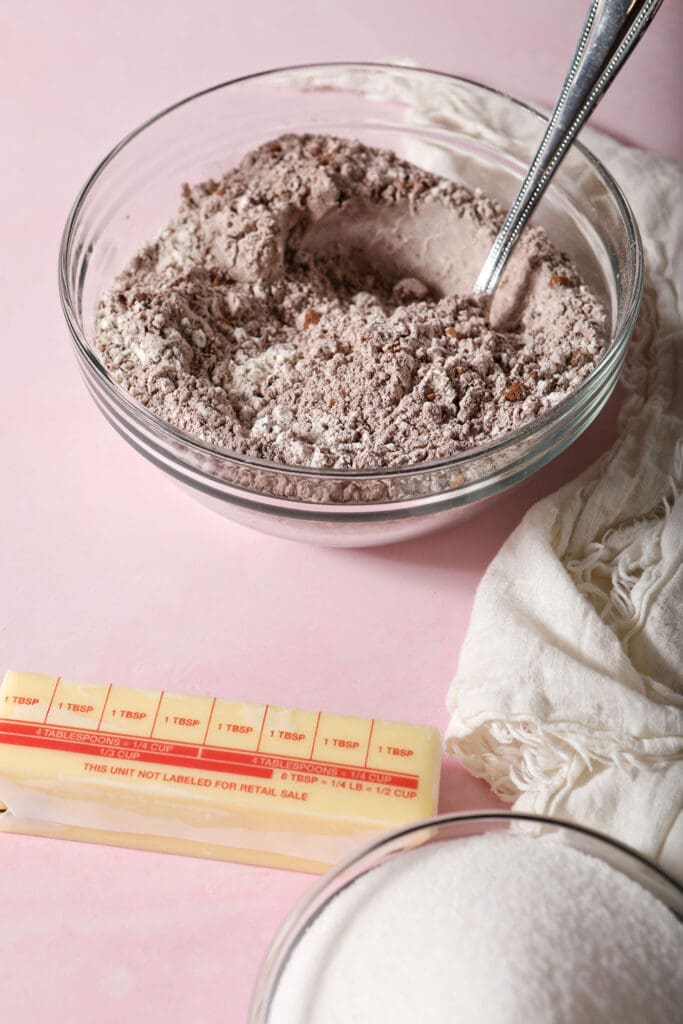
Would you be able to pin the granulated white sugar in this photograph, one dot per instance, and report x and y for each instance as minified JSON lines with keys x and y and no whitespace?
{"x":494,"y":929}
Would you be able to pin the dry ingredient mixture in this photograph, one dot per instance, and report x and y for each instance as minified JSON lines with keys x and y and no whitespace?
{"x":494,"y":929}
{"x":311,"y":308}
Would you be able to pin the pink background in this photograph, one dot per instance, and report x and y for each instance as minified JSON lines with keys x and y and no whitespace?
{"x":109,"y":572}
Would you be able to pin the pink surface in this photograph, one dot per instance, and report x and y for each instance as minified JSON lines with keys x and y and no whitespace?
{"x":110,"y":573}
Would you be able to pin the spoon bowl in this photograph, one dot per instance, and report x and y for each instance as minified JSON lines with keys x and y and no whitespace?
{"x":609,"y":35}
{"x":486,"y":140}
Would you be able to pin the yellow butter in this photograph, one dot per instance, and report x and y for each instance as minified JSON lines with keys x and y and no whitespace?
{"x":205,"y":776}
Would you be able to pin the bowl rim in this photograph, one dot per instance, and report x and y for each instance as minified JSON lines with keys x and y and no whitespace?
{"x":173,"y":434}
{"x":306,"y":908}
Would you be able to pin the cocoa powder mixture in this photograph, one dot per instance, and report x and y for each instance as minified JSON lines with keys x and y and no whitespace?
{"x":311,"y":308}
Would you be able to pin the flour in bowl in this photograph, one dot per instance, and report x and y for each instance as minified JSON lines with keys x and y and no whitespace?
{"x":313,"y":308}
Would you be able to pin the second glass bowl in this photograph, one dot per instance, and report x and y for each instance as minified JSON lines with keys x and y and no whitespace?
{"x":135,"y":190}
{"x":447,"y":828}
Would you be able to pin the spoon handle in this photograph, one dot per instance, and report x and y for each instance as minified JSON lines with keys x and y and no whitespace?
{"x":611,"y":30}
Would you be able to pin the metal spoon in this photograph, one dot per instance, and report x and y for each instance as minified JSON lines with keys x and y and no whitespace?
{"x":611,"y":30}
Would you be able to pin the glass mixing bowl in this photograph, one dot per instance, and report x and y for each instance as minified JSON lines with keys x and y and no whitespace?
{"x":446,"y":828}
{"x":135,"y":191}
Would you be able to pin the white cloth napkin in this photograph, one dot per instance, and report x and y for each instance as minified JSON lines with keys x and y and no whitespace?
{"x":568,"y":698}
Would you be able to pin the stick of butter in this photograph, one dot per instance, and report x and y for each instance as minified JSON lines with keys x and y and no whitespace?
{"x":205,"y":776}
